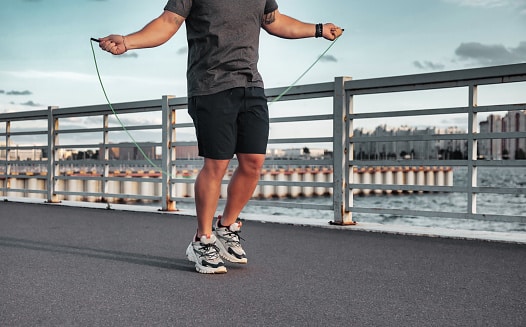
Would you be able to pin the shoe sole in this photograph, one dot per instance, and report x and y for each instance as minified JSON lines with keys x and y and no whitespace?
{"x":200,"y":268}
{"x":223,"y":253}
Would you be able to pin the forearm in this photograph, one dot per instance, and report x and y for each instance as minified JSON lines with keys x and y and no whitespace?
{"x":287,"y":27}
{"x":291,"y":28}
{"x":155,"y":33}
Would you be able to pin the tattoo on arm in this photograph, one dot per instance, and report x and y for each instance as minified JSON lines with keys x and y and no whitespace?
{"x":269,"y":18}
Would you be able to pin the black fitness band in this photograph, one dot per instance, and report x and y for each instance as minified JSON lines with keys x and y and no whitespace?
{"x":319,"y":30}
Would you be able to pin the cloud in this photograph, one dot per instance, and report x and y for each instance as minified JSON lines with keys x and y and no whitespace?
{"x":31,"y":104}
{"x":518,"y":6}
{"x":328,"y":58}
{"x":428,"y":65}
{"x":2,"y":91}
{"x":483,"y":3}
{"x":495,"y":54}
{"x":26,"y":92}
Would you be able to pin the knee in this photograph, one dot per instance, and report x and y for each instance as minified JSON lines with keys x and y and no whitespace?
{"x":252,"y":165}
{"x":214,"y":170}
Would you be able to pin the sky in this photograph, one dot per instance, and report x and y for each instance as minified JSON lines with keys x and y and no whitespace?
{"x":46,"y":59}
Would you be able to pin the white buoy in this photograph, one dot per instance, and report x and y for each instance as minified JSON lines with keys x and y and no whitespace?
{"x":268,"y":190}
{"x":388,"y":178}
{"x":113,"y":187}
{"x":36,"y":184}
{"x":366,"y":179}
{"x":75,"y":185}
{"x":399,"y":178}
{"x":410,"y":178}
{"x":148,"y":188}
{"x":15,"y":183}
{"x":430,"y":176}
{"x":329,"y":175}
{"x":294,"y":176}
{"x":378,"y":179}
{"x":440,"y":177}
{"x":307,"y":177}
{"x":130,"y":188}
{"x":420,"y":177}
{"x":281,"y":191}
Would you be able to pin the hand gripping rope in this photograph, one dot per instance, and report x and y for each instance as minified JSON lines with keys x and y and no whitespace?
{"x":148,"y":159}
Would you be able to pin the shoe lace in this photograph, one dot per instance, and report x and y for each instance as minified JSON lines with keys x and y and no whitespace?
{"x":233,"y":238}
{"x":209,"y":251}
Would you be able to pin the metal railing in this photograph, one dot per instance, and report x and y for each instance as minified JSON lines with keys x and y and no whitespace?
{"x":48,"y":176}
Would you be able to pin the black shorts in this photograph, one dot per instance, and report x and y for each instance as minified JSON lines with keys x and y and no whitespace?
{"x":230,"y":122}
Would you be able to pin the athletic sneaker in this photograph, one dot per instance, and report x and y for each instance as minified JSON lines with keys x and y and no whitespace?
{"x":205,"y":254}
{"x":228,"y":242}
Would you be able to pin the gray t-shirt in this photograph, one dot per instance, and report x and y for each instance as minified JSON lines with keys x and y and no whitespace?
{"x":223,"y":42}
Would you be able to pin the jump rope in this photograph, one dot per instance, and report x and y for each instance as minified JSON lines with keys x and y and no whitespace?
{"x":136,"y":144}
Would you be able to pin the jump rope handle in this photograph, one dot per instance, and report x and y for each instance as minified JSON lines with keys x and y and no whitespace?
{"x":95,"y":40}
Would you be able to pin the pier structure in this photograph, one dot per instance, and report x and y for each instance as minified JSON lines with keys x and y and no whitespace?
{"x":322,"y":115}
{"x":82,"y":184}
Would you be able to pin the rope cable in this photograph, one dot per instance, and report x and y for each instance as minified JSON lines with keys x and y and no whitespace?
{"x":147,"y":158}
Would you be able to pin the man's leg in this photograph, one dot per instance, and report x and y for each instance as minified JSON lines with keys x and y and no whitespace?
{"x":207,"y":191}
{"x":242,"y":185}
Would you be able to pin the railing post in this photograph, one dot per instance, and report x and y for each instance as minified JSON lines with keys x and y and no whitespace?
{"x":168,"y":155}
{"x":53,"y":166}
{"x":472,"y":150}
{"x":341,"y":131}
{"x":7,"y":153}
{"x":105,"y":154}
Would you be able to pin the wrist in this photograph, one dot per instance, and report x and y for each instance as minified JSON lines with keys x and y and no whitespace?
{"x":124,"y":43}
{"x":319,"y":30}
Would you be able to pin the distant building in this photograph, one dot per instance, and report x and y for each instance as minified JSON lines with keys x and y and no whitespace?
{"x":498,"y":149}
{"x":427,"y":149}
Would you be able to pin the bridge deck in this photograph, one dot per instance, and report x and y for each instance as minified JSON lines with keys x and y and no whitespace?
{"x":90,"y":267}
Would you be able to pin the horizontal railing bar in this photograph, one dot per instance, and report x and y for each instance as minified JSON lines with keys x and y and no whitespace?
{"x":407,"y":113}
{"x":433,"y":137}
{"x":184,"y":143}
{"x":500,"y":163}
{"x":109,"y":129}
{"x":404,"y":163}
{"x":283,"y":204}
{"x":500,"y":190}
{"x":302,"y":140}
{"x":22,"y":190}
{"x":105,"y":195}
{"x":301,"y":91}
{"x":435,"y":111}
{"x":436,"y":214}
{"x":19,"y":176}
{"x":455,"y":78}
{"x":113,"y":145}
{"x":413,"y":137}
{"x":297,"y":162}
{"x":24,"y":115}
{"x":116,"y":179}
{"x":501,"y":135}
{"x":301,"y":118}
{"x":412,"y":187}
{"x":111,"y":162}
{"x":502,"y":107}
{"x":103,"y":109}
{"x":23,"y":147}
{"x":183,"y":125}
{"x":27,"y":133}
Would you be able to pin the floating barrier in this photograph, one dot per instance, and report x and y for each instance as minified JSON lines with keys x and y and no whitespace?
{"x":83,"y":187}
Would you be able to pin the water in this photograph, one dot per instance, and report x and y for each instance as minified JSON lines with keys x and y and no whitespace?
{"x":446,"y":202}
